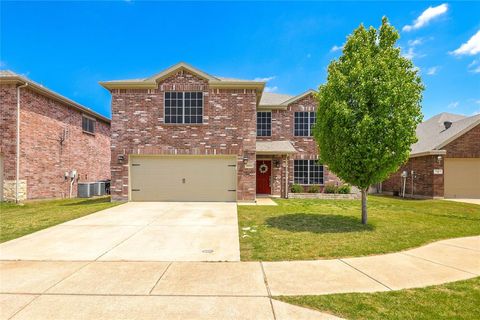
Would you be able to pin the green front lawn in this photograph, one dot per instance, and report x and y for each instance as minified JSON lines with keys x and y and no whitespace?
{"x":312,"y":229}
{"x":456,"y":300}
{"x":19,"y":220}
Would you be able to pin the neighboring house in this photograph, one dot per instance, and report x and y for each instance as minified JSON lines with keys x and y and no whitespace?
{"x":445,"y":162}
{"x":56,"y":137}
{"x":183,"y":134}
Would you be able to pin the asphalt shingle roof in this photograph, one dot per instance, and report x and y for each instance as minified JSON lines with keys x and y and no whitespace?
{"x":432,"y":134}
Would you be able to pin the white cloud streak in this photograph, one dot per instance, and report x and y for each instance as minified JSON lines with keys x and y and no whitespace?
{"x":432,"y":71}
{"x":426,"y":17}
{"x":471,"y":47}
{"x":265,"y":79}
{"x":336,"y":48}
{"x":271,"y":89}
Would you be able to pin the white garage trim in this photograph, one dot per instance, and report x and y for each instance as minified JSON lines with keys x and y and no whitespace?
{"x":182,"y":178}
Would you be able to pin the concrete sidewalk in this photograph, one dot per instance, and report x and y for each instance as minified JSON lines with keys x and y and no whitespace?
{"x":213,"y":290}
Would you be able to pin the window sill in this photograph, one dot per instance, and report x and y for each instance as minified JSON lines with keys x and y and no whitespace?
{"x":183,"y":124}
{"x":89,"y":133}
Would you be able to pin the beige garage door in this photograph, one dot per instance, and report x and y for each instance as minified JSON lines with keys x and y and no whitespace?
{"x":185,"y":178}
{"x":462,"y":178}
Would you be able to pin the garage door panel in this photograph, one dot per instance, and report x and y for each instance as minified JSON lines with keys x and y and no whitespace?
{"x":183,"y":179}
{"x":462,"y":178}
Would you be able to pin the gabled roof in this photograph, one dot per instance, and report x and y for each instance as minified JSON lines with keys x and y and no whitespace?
{"x":277,"y":100}
{"x":213,"y":81}
{"x":10,"y":77}
{"x":433,"y":136}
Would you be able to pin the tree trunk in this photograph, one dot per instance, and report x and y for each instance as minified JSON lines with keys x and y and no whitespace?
{"x":364,"y":206}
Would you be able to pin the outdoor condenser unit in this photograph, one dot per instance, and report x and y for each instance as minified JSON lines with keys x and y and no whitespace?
{"x":84,"y":190}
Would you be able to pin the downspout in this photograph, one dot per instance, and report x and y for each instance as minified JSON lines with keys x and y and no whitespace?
{"x":286,"y":176}
{"x":17,"y":169}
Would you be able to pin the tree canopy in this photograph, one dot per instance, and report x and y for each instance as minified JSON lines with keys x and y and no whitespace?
{"x":369,"y":108}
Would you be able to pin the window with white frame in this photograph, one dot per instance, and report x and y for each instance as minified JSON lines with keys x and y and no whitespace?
{"x":88,"y":124}
{"x":304,"y":122}
{"x":183,"y":107}
{"x":264,"y":124}
{"x":307,"y":172}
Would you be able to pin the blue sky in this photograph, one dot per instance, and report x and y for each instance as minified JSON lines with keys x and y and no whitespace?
{"x":70,"y":46}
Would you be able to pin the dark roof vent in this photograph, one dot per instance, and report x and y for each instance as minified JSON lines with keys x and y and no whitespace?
{"x":447,"y":124}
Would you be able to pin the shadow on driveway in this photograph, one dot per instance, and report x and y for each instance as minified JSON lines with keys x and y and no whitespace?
{"x":318,"y":223}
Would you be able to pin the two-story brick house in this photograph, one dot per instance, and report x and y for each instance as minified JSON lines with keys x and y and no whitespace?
{"x":185,"y":135}
{"x":49,"y":143}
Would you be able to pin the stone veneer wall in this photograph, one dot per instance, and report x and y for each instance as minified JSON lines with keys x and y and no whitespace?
{"x":229,"y":128}
{"x":51,"y":142}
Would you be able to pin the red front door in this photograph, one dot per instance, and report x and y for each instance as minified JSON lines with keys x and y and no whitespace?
{"x":264,"y":172}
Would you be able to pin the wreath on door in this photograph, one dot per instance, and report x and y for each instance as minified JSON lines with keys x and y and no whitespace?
{"x":263,"y":168}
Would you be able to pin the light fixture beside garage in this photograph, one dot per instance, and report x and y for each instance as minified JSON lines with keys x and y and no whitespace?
{"x":120,"y":158}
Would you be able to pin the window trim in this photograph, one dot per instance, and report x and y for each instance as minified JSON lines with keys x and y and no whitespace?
{"x":263,"y":111}
{"x":309,"y":129}
{"x":183,"y":109}
{"x":94,"y":121}
{"x":308,"y":173}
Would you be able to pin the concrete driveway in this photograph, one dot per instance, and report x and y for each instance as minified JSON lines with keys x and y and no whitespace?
{"x":137,"y":231}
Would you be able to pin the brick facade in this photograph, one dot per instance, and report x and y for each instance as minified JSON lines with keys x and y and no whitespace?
{"x":307,"y":149}
{"x":228,"y":128}
{"x":52,"y":142}
{"x":425,"y":182}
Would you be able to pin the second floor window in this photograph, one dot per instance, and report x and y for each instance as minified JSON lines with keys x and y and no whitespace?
{"x":183,"y":107}
{"x":88,"y":124}
{"x":264,"y":124}
{"x":304,"y":122}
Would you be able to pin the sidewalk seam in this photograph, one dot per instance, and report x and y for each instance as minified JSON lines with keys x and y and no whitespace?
{"x":439,"y":263}
{"x":456,"y":246}
{"x":161,"y":276}
{"x":265,"y":280}
{"x":366,"y":274}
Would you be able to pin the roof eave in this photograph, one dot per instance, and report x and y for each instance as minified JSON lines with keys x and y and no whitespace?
{"x":128,"y":85}
{"x":428,"y":153}
{"x":298,"y":97}
{"x":53,"y":95}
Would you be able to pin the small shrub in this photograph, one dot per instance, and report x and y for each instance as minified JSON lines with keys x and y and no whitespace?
{"x":314,"y":189}
{"x":345,"y":189}
{"x":330,"y":188}
{"x":296,"y":188}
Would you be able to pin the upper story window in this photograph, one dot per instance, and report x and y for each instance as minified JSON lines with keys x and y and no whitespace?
{"x":183,"y":107}
{"x":304,"y":122}
{"x":307,"y":172}
{"x":264,"y":124}
{"x":88,"y":124}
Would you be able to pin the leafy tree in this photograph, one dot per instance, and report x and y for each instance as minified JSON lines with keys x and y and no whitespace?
{"x":368,"y":109}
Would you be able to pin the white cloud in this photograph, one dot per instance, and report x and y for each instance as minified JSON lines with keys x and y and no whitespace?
{"x":432,"y":71}
{"x":471,"y":47}
{"x":474,"y":66}
{"x":336,"y":48}
{"x":410,"y":54}
{"x":426,"y":17}
{"x":265,"y":79}
{"x":453,"y":105}
{"x":271,"y":89}
{"x":415,"y":42}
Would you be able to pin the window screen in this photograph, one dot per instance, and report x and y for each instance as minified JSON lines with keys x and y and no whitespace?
{"x":264,"y":124}
{"x":183,"y":107}
{"x":307,"y":172}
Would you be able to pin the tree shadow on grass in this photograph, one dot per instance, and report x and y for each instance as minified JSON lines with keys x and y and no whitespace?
{"x":318,"y":223}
